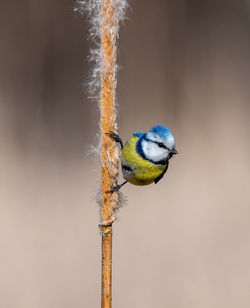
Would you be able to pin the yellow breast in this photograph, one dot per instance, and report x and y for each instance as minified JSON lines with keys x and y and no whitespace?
{"x":142,"y":172}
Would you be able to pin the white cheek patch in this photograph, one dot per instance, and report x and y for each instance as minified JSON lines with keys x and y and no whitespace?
{"x":152,"y":151}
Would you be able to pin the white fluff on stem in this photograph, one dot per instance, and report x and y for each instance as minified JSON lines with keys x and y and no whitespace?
{"x":92,"y":8}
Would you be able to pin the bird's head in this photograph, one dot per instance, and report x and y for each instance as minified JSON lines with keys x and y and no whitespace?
{"x":158,"y":144}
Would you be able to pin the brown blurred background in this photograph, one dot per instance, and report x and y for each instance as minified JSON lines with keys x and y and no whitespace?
{"x":183,"y":243}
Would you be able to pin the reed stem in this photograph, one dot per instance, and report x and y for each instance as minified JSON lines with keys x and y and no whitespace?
{"x":109,"y":151}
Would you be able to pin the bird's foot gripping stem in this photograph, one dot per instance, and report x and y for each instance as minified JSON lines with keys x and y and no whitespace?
{"x":116,"y":188}
{"x":116,"y":138}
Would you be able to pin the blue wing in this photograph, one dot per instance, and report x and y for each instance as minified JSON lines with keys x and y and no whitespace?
{"x":139,"y":135}
{"x":161,"y":175}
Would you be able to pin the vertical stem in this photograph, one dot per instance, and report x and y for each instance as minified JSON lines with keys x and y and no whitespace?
{"x":106,"y":266}
{"x":108,"y":176}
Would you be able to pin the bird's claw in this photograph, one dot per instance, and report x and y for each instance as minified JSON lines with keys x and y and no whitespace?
{"x":116,"y":187}
{"x":113,"y":189}
{"x":115,"y":137}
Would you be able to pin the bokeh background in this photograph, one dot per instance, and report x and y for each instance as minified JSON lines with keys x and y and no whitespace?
{"x":183,"y":243}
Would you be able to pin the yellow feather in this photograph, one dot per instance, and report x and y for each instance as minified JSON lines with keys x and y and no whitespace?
{"x":144,"y":172}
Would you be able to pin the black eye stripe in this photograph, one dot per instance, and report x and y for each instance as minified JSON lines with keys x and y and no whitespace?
{"x":161,"y":145}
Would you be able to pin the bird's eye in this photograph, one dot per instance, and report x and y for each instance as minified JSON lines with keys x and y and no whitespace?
{"x":161,"y":145}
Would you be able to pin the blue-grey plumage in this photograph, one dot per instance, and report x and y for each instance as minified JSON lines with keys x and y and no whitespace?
{"x":145,"y":156}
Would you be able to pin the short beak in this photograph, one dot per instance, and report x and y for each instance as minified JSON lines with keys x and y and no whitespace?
{"x":174,"y":151}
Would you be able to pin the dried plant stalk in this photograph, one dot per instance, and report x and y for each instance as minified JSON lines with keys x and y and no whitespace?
{"x":106,"y":266}
{"x":105,"y":16}
{"x":109,"y":165}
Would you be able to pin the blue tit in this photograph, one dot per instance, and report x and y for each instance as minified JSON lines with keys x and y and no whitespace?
{"x":145,"y":156}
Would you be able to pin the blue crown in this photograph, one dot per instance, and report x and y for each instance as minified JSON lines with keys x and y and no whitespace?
{"x":161,"y":131}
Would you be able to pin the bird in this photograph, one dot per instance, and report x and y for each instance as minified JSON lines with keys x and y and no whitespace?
{"x":145,"y":156}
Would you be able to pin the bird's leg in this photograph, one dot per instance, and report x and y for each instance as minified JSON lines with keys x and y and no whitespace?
{"x":116,"y":138}
{"x":117,"y":187}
